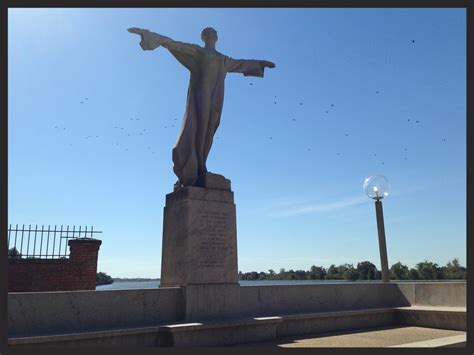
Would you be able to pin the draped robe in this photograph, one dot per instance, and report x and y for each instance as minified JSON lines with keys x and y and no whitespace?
{"x":208,"y":69}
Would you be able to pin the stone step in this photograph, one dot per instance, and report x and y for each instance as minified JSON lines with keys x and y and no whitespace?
{"x":454,"y":318}
{"x":322,"y":322}
{"x":219,"y":333}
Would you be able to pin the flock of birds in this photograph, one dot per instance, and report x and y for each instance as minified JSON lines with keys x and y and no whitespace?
{"x":142,"y":131}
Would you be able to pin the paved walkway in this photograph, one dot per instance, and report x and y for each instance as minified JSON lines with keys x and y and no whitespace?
{"x":369,"y":338}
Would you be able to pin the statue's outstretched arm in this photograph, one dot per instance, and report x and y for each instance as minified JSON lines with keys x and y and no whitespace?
{"x":248,"y":67}
{"x":151,"y":40}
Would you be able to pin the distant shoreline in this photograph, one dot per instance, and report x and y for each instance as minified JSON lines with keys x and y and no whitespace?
{"x":136,"y":279}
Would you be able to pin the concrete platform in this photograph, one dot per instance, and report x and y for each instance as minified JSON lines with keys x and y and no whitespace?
{"x":394,"y":336}
{"x":246,"y":330}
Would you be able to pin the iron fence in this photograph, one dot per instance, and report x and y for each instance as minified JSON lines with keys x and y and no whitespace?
{"x":50,"y":243}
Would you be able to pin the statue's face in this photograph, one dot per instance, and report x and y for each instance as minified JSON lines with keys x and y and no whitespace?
{"x":210,"y":37}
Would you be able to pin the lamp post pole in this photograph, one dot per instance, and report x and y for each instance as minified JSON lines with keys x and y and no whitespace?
{"x":382,"y":244}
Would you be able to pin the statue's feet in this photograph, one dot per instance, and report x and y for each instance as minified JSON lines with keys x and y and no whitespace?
{"x":209,"y":180}
{"x":177,"y":186}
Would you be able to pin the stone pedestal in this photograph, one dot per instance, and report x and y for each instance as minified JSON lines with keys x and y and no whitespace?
{"x":200,"y":251}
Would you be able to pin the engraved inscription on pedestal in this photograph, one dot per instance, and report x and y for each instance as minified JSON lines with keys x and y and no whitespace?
{"x":213,"y":246}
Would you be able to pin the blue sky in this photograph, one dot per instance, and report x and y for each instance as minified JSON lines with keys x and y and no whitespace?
{"x":362,"y":83}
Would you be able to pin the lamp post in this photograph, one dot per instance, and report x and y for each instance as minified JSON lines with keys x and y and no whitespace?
{"x":377,"y":187}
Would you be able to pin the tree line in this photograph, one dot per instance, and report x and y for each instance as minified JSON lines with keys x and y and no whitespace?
{"x":365,"y":270}
{"x":103,"y":279}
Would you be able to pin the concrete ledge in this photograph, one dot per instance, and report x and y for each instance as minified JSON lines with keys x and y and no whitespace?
{"x":37,"y":313}
{"x":453,"y":318}
{"x":143,"y":336}
{"x":219,"y":333}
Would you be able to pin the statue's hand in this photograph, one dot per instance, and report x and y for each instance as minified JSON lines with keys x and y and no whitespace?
{"x":143,"y":43}
{"x":268,"y":64}
{"x":135,"y":30}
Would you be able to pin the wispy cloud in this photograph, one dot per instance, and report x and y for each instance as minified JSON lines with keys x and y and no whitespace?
{"x":322,"y":207}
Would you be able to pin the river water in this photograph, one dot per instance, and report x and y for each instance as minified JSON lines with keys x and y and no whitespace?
{"x":127,"y":285}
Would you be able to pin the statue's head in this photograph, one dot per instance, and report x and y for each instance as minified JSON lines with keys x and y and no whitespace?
{"x":209,"y":35}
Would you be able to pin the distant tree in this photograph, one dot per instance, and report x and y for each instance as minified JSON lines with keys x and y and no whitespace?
{"x":290,"y":275}
{"x":454,"y":271}
{"x":253,"y":276}
{"x":103,"y":279}
{"x":341,"y":270}
{"x":300,"y":274}
{"x":333,"y":273}
{"x":413,"y":274}
{"x":262,"y":276}
{"x":428,"y":270}
{"x":13,"y":253}
{"x":350,"y":274}
{"x":317,"y":273}
{"x":271,"y":274}
{"x":398,"y":271}
{"x":366,"y":270}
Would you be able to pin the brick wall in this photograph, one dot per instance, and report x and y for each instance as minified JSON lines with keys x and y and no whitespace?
{"x":76,"y":273}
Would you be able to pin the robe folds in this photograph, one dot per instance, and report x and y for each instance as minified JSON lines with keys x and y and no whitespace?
{"x":205,"y":98}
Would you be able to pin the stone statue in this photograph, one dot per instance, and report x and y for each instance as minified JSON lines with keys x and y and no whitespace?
{"x":205,"y":98}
